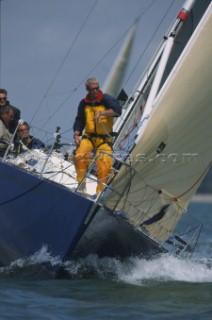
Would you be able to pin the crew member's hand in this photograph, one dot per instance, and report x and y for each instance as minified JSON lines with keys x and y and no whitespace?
{"x":97,"y":115}
{"x":76,"y":139}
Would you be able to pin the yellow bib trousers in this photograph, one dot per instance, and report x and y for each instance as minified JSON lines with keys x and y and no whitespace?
{"x":85,"y":151}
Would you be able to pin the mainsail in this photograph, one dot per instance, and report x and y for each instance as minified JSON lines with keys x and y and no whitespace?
{"x":115,"y":78}
{"x":173,"y":154}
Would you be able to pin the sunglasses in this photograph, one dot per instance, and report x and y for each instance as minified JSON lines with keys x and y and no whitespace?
{"x":93,"y":89}
{"x":22,"y":130}
{"x":3,"y":98}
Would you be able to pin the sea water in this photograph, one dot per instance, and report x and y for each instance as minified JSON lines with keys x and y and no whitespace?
{"x":166,"y":287}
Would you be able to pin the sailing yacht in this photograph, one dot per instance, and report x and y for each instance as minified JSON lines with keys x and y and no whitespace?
{"x":162,"y":152}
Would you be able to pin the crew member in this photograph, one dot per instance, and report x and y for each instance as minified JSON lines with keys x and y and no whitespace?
{"x":95,"y":117}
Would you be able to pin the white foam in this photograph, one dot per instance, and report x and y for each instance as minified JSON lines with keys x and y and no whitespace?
{"x":167,"y":268}
{"x":135,"y":271}
{"x":39,"y":257}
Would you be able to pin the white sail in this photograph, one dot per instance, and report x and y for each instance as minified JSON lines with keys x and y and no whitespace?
{"x":175,"y":151}
{"x":114,"y":80}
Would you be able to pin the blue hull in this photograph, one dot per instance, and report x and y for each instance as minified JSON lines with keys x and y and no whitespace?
{"x":36,"y":212}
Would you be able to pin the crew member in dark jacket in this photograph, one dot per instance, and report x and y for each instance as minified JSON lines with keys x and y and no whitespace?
{"x":6,"y":116}
{"x":17,"y":113}
{"x":24,"y":141}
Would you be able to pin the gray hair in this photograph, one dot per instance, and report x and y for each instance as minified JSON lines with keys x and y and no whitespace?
{"x":91,"y":81}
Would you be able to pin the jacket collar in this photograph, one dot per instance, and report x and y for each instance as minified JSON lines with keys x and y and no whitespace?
{"x":98,"y":99}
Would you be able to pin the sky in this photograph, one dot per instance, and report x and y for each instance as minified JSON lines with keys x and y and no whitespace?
{"x":48,"y":48}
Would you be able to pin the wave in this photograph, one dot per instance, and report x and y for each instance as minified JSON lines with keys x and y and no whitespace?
{"x":40,"y":265}
{"x":168,"y":268}
{"x":135,"y":270}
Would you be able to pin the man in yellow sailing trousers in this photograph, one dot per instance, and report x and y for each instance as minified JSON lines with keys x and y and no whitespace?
{"x":94,"y":122}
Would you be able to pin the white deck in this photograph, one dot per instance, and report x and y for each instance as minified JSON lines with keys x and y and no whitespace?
{"x":54,"y":168}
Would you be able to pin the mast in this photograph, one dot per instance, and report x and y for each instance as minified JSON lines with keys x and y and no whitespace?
{"x":181,"y":18}
{"x":152,"y":71}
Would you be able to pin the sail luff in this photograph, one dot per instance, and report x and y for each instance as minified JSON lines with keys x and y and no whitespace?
{"x":155,"y":86}
{"x":137,"y":96}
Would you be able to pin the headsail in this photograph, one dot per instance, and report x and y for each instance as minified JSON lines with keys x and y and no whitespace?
{"x":175,"y":151}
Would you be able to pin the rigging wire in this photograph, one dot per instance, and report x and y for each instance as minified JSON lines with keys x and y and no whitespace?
{"x":96,"y":65}
{"x":64,"y":59}
{"x":23,"y":194}
{"x":148,"y":44}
